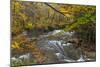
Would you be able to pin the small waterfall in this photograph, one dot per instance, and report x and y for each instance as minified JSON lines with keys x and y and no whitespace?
{"x":81,"y":58}
{"x":58,"y":45}
{"x":56,"y":31}
{"x":68,"y":44}
{"x":62,"y":55}
{"x":26,"y":56}
{"x":62,"y":32}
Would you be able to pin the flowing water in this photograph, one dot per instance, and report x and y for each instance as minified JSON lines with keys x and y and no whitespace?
{"x":58,"y":49}
{"x":56,"y":43}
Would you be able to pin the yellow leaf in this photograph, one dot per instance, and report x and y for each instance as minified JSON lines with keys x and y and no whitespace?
{"x":29,"y":25}
{"x":63,"y":10}
{"x":68,"y":15}
{"x":15,"y":45}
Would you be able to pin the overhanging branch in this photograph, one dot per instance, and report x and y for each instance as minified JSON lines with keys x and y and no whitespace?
{"x":54,"y":9}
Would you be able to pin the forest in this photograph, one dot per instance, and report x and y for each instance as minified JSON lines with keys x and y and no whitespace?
{"x":46,"y":33}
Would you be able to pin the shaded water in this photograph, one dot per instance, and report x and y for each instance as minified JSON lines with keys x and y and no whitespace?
{"x":58,"y":49}
{"x":56,"y":43}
